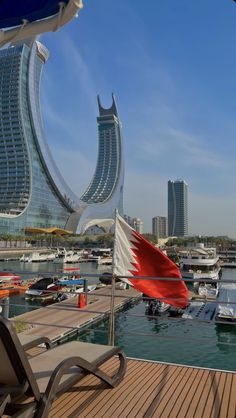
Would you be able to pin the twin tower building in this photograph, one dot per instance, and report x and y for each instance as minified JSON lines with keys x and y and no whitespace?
{"x":33,"y":194}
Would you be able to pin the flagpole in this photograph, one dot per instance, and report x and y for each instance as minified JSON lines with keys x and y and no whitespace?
{"x":111,"y":335}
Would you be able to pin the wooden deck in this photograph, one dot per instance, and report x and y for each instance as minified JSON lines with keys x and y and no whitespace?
{"x":152,"y":389}
{"x":149,"y":389}
{"x":58,"y":320}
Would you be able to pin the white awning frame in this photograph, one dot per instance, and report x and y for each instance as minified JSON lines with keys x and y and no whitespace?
{"x":51,"y":24}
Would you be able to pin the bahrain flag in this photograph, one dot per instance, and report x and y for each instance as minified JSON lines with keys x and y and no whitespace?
{"x":135,"y":256}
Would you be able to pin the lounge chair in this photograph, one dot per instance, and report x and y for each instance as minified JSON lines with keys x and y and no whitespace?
{"x":31,"y":341}
{"x":42,"y":378}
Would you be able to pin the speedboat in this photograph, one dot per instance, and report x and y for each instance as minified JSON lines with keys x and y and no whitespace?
{"x":9,"y":277}
{"x":43,"y":289}
{"x":156,"y":307}
{"x":208,"y":290}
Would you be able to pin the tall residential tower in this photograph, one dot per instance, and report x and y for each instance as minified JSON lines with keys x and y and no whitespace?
{"x":159,"y":226}
{"x":32,"y":191}
{"x":33,"y":194}
{"x":177,"y":208}
{"x":105,"y":193}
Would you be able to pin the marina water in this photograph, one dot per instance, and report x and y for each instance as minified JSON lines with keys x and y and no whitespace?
{"x":159,"y":338}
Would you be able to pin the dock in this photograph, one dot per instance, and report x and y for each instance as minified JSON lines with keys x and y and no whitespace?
{"x":60,"y":320}
{"x":149,"y":388}
{"x":201,"y":310}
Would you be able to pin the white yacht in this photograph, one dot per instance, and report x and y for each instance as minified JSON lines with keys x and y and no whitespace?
{"x":105,"y":261}
{"x":36,"y":257}
{"x":228,"y":258}
{"x":226,"y":311}
{"x":71,"y":257}
{"x":199,"y":263}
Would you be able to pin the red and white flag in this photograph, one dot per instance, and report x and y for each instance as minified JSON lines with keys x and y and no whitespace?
{"x":134,"y":255}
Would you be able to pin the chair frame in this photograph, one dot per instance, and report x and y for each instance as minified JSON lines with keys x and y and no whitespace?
{"x":28,"y":384}
{"x":35,"y":341}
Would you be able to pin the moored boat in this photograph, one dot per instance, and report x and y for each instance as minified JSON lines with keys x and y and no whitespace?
{"x":208,"y":291}
{"x":45,"y":288}
{"x":8,"y":290}
{"x":200,"y":263}
{"x":156,"y":307}
{"x":226,"y":307}
{"x":9,"y":277}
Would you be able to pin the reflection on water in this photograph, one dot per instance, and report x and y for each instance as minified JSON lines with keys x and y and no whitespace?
{"x":165,"y":339}
{"x":170,"y":340}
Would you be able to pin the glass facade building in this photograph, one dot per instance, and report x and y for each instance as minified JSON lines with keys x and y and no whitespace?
{"x":108,"y":167}
{"x":177,"y":208}
{"x":32,"y":191}
{"x":105,"y":192}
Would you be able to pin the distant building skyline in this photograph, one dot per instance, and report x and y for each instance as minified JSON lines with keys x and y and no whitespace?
{"x":136,"y":223}
{"x":177,"y":208}
{"x":159,"y":226}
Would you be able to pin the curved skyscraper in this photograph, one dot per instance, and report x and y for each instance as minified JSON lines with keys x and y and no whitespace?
{"x":105,"y":192}
{"x":32,"y":191}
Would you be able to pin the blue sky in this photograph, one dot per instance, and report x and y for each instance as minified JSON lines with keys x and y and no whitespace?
{"x":171,"y":65}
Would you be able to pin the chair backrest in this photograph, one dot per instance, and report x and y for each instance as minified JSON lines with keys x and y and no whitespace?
{"x":15,"y":369}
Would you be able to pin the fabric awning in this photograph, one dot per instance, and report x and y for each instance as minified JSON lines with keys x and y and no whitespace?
{"x":12,"y":12}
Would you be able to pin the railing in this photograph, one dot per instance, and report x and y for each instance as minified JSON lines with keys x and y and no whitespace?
{"x":113,"y":313}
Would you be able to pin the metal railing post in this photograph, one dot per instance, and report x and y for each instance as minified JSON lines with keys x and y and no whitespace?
{"x":5,"y":308}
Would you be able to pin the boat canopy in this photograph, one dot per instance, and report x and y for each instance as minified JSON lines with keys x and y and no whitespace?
{"x":21,"y":19}
{"x":13,"y":12}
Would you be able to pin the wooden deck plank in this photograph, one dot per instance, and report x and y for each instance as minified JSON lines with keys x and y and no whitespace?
{"x":205,"y":394}
{"x":82,"y":394}
{"x":159,"y":389}
{"x":133,"y":398}
{"x":232,"y":400}
{"x":223,"y":408}
{"x":215,"y":394}
{"x":178,"y":391}
{"x":198,"y":393}
{"x":52,"y":321}
{"x":152,"y":389}
{"x":94,"y":387}
{"x":196,"y":376}
{"x":123,"y":392}
{"x":151,"y":385}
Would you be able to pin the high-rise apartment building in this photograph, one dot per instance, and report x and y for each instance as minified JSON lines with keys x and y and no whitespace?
{"x":177,"y":208}
{"x":105,"y":192}
{"x":32,"y":191}
{"x":109,"y":169}
{"x":33,"y":194}
{"x":159,"y":224}
{"x":136,"y":223}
